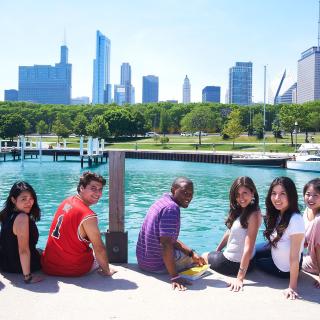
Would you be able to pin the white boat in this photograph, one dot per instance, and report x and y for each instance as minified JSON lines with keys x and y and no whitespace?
{"x":308,"y":159}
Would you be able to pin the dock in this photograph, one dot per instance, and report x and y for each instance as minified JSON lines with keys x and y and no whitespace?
{"x":132,"y":294}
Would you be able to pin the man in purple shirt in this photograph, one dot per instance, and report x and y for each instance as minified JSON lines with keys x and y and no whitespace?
{"x":158,"y":248}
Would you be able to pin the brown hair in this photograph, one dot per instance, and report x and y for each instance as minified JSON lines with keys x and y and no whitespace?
{"x":87,"y":177}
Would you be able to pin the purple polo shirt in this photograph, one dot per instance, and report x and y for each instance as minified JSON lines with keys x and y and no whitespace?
{"x":162,"y":219}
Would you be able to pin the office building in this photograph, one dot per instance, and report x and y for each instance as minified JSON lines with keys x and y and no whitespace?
{"x":80,"y":100}
{"x":289,"y":96}
{"x":125,"y":80}
{"x":119,"y":94}
{"x":240,"y":83}
{"x":11,"y":95}
{"x":46,"y":84}
{"x":101,"y":91}
{"x":186,"y":90}
{"x":150,"y":89}
{"x":211,"y":94}
{"x":308,"y":80}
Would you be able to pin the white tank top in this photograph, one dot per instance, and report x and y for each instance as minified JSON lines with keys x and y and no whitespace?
{"x":235,"y":245}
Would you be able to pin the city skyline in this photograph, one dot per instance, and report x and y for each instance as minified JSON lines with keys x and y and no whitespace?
{"x":202,"y":39}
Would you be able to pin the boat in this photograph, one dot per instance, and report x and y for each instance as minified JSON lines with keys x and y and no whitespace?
{"x":308,"y":159}
{"x":260,"y":160}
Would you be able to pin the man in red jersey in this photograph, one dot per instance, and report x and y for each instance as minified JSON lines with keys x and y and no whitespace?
{"x":74,"y":227}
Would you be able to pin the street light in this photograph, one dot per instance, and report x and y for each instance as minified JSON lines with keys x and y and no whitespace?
{"x":296,"y":131}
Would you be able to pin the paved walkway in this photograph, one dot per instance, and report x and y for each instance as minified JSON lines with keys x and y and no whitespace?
{"x":131,"y":294}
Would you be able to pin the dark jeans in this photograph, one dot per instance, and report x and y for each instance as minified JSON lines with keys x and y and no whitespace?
{"x":263,"y":261}
{"x":218,"y":262}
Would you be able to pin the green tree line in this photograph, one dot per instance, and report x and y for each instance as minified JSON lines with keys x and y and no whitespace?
{"x":105,"y":121}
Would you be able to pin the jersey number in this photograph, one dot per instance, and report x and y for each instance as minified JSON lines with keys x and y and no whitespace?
{"x":56,"y":233}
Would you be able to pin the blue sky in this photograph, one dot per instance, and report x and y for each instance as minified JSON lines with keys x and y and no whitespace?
{"x":200,"y":38}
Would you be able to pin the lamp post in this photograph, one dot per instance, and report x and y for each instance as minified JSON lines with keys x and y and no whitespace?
{"x":296,"y":131}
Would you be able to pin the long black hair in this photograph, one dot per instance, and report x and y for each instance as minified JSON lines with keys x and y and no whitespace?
{"x":272,"y":214}
{"x":15,"y":191}
{"x":235,"y":209}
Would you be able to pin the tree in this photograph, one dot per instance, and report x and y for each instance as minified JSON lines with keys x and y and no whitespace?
{"x":60,"y":130}
{"x":233,"y":127}
{"x":119,"y":121}
{"x":79,"y":125}
{"x":98,"y":128}
{"x":199,"y":119}
{"x":257,"y":125}
{"x":41,"y":127}
{"x":164,"y":121}
{"x":12,"y":125}
{"x":314,"y":121}
{"x":276,"y":129}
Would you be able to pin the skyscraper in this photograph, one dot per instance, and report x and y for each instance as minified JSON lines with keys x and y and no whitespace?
{"x":45,"y":83}
{"x":186,"y":91}
{"x":290,"y":95}
{"x":211,"y":94}
{"x":101,"y":91}
{"x":240,"y":83}
{"x":11,"y":95}
{"x":308,"y":80}
{"x":150,"y":89}
{"x":125,"y":80}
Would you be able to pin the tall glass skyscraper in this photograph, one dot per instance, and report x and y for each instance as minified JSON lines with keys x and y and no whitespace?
{"x":240,"y":83}
{"x":101,"y":91}
{"x":125,"y":80}
{"x":186,"y":90}
{"x":308,"y":80}
{"x":150,"y":89}
{"x":211,"y":94}
{"x":46,"y":84}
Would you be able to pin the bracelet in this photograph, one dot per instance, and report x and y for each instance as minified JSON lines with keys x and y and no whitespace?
{"x":243,"y":270}
{"x":27,"y":278}
{"x":175,"y":278}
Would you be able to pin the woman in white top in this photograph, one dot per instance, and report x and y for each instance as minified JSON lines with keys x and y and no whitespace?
{"x":311,"y":217}
{"x":243,"y":223}
{"x":281,"y":256}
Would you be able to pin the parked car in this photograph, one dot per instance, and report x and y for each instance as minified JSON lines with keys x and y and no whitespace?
{"x":186,"y":134}
{"x":202,"y":133}
{"x":151,"y":134}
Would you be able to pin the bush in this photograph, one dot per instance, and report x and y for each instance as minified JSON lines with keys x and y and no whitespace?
{"x":164,"y":140}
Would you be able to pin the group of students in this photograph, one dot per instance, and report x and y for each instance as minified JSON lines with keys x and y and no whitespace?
{"x":74,"y":230}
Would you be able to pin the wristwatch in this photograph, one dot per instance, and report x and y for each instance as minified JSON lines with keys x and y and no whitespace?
{"x":191,"y":253}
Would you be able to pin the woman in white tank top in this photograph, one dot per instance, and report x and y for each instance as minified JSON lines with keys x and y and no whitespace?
{"x":238,"y":242}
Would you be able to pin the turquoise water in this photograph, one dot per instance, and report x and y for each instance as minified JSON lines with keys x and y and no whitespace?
{"x":202,"y":223}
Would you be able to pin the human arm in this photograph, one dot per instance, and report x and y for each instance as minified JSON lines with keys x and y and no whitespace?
{"x":254,"y":223}
{"x":91,"y":230}
{"x":317,"y":251}
{"x":189,"y":252}
{"x":21,"y":230}
{"x":295,"y":244}
{"x":168,"y":246}
{"x":223,"y":241}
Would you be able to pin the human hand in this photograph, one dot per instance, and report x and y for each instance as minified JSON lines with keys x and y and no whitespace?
{"x":290,"y":294}
{"x":200,"y":261}
{"x":180,"y":283}
{"x":107,"y":273}
{"x":235,"y":285}
{"x":35,"y":279}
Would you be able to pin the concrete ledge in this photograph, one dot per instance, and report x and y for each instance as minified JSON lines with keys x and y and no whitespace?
{"x":132,"y":294}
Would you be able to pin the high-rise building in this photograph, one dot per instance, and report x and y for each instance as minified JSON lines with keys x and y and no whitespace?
{"x":289,"y":96}
{"x":120,"y":94}
{"x":308,"y":80}
{"x":101,"y":91}
{"x":211,"y":94}
{"x":80,"y":100}
{"x":186,"y":90}
{"x":11,"y":95}
{"x":240,"y":83}
{"x":125,"y":80}
{"x":150,"y":89}
{"x":46,"y":84}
